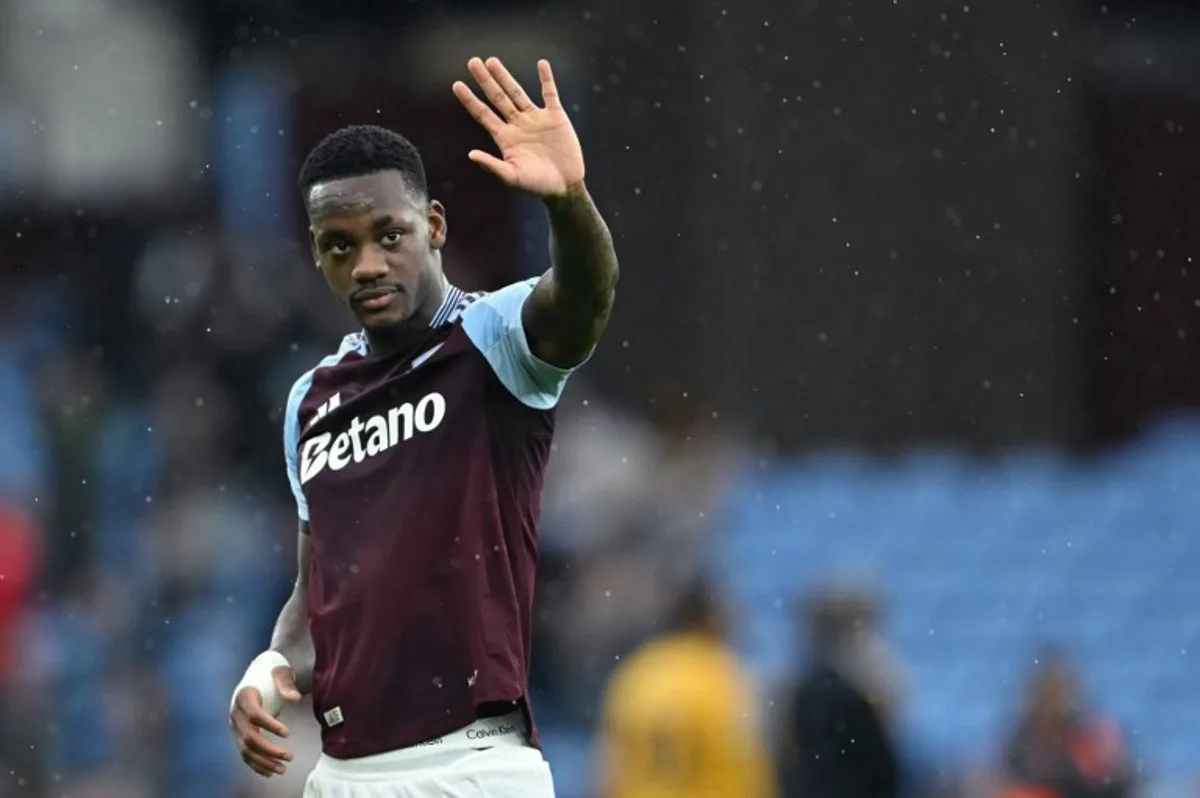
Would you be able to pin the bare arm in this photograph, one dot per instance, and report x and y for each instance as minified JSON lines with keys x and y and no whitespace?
{"x":292,"y":637}
{"x":540,"y":154}
{"x":569,"y":308}
{"x":248,"y":717}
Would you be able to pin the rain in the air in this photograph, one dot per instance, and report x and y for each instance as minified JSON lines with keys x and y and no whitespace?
{"x":621,"y":399}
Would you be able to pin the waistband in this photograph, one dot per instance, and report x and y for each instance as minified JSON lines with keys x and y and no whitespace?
{"x":503,"y":730}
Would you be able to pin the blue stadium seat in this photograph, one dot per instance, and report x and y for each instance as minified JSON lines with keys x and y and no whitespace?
{"x":982,"y":564}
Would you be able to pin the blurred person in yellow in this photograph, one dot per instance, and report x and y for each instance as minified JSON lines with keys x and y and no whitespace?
{"x":680,"y":717}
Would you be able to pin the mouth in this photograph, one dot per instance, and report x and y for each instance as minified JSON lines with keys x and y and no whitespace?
{"x":373,"y":298}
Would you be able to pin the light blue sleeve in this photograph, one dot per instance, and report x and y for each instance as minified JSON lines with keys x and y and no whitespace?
{"x":493,"y":323}
{"x":291,"y":441}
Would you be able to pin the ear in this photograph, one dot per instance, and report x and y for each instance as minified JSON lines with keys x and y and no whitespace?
{"x":436,"y":213}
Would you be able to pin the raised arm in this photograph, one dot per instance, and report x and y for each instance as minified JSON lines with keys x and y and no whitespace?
{"x":540,"y":154}
{"x":569,"y":308}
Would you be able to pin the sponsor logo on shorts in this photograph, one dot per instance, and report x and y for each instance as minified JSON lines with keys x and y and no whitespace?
{"x":479,"y":732}
{"x":502,"y":730}
{"x":430,"y":743}
{"x":334,"y":717}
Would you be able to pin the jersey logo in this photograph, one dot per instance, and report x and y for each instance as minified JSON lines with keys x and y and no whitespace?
{"x":332,"y":403}
{"x":370,"y":437}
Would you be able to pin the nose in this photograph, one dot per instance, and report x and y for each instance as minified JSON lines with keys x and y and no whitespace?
{"x":370,"y":266}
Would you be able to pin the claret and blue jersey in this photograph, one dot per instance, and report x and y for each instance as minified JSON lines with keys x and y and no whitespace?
{"x":420,"y":474}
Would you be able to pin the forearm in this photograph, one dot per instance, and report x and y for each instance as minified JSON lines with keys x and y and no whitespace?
{"x":582,"y":259}
{"x":293,"y":639}
{"x":570,"y":306}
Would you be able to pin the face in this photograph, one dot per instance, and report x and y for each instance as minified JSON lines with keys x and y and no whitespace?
{"x":378,"y":242}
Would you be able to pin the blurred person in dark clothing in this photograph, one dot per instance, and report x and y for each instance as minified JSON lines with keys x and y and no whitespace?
{"x":680,"y":716}
{"x":1059,"y":748}
{"x":837,"y":740}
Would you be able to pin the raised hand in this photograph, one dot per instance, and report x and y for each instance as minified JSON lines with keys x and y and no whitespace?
{"x":539,"y":151}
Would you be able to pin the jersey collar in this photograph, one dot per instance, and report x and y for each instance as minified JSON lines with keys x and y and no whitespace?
{"x":453,"y":297}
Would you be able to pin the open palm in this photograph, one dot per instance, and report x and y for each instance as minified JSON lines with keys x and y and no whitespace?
{"x":539,"y":151}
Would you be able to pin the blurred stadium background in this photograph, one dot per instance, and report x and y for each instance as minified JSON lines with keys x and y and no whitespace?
{"x":908,"y":301}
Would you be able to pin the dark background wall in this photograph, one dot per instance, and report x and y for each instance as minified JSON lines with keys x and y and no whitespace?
{"x":840,"y":222}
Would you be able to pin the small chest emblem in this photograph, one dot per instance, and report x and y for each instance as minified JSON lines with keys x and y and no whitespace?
{"x":424,"y":356}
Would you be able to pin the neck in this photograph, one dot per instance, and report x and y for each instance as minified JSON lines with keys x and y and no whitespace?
{"x":408,"y":332}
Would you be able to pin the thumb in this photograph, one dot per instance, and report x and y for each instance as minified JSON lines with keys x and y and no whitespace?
{"x":501,"y":169}
{"x":285,"y":681}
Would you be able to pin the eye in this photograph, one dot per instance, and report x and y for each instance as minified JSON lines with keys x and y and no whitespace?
{"x":338,"y":248}
{"x":392,"y":237}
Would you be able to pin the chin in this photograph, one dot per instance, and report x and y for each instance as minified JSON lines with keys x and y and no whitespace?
{"x":381,"y":323}
{"x":395,"y":315}
{"x":384,"y":322}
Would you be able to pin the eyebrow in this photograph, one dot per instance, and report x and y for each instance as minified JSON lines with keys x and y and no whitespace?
{"x":382,"y":222}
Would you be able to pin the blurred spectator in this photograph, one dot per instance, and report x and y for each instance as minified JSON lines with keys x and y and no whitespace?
{"x":839,"y":722}
{"x":19,"y":553}
{"x":679,"y":715}
{"x":630,"y":510}
{"x":24,"y":457}
{"x":1059,"y":748}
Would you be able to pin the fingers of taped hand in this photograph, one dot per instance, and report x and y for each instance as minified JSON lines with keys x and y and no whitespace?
{"x":250,"y":705}
{"x":262,"y":755}
{"x":285,"y":683}
{"x":510,"y":85}
{"x":491,"y":89}
{"x":246,"y":721}
{"x":261,"y":764}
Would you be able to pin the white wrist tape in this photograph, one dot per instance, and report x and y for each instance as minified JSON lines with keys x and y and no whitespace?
{"x":258,"y":676}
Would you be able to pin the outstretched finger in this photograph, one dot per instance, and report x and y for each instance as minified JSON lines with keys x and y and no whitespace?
{"x":253,"y":741}
{"x":510,"y":85}
{"x":257,"y":716}
{"x":549,"y":87}
{"x":495,"y":93}
{"x":496,"y":166}
{"x":261,"y":764}
{"x":477,"y":108}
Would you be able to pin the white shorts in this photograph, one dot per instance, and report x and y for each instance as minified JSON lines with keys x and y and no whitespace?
{"x":454,"y":766}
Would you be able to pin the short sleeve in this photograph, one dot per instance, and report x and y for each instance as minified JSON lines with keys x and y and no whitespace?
{"x":291,"y":441}
{"x":493,"y":323}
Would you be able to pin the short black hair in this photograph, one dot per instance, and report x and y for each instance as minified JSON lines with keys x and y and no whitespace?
{"x":360,"y":150}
